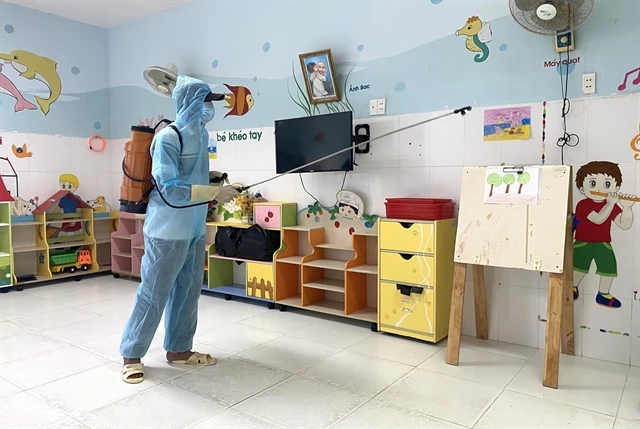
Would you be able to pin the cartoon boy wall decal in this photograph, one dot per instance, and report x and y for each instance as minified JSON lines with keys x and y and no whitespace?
{"x":599,"y":182}
{"x":350,"y":205}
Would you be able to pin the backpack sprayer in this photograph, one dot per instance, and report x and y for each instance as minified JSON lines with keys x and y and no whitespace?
{"x":137,"y":181}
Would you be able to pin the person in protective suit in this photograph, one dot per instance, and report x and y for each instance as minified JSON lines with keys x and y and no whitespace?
{"x":174,"y":237}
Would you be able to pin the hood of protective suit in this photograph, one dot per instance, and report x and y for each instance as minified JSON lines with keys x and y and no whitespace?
{"x":188,"y":97}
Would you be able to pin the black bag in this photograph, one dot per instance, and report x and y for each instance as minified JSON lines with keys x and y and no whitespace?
{"x":258,"y":244}
{"x":227,"y":241}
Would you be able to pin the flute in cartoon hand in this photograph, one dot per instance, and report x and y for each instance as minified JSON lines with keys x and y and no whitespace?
{"x":625,"y":197}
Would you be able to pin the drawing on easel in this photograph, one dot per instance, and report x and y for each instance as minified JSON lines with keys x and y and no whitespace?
{"x":504,"y":187}
{"x":510,"y":123}
{"x":603,"y":206}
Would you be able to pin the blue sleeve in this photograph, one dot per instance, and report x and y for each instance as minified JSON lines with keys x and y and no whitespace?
{"x":165,"y":156}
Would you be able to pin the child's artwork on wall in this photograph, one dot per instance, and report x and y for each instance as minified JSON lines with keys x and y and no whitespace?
{"x":595,"y":215}
{"x":478,"y":34}
{"x":509,"y":123}
{"x":504,"y":187}
{"x":212,"y":148}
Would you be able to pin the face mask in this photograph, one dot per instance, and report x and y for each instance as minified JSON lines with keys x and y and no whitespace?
{"x":208,"y":112}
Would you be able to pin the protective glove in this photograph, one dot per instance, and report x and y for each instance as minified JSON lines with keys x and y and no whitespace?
{"x":210,"y":192}
{"x":228,"y":193}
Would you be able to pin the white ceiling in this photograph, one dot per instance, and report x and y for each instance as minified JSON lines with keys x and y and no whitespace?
{"x":103,"y":13}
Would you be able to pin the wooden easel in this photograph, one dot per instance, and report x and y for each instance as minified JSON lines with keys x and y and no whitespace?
{"x":559,"y":329}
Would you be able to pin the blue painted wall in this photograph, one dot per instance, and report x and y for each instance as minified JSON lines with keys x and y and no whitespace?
{"x":81,"y":54}
{"x":405,"y":51}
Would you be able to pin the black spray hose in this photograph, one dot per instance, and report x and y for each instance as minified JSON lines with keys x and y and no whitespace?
{"x":462,"y":111}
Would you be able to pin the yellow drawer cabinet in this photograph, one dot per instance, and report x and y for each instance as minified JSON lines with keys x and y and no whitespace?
{"x":416,"y":277}
{"x":407,"y":268}
{"x":260,"y":280}
{"x":411,"y":236}
{"x":406,"y":308}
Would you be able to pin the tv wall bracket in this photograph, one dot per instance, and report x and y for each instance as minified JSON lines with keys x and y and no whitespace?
{"x":362,"y":137}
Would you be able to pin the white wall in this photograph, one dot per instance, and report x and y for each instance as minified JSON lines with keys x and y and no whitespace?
{"x":98,"y":172}
{"x":427,"y":161}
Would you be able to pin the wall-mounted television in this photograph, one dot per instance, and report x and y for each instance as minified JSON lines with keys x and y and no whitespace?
{"x":303,"y":140}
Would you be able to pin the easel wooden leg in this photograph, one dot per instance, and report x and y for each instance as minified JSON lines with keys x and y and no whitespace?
{"x":552,"y":336}
{"x":479,"y":293}
{"x":567,"y":326}
{"x":455,"y":316}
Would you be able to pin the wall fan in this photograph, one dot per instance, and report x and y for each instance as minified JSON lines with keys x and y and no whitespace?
{"x":162,"y":79}
{"x":557,"y":18}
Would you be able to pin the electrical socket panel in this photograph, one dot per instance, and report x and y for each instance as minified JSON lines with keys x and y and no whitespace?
{"x":588,"y":83}
{"x":373,"y":107}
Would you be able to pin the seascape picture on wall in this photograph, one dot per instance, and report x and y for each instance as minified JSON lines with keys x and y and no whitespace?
{"x":508,"y":123}
{"x":319,"y":77}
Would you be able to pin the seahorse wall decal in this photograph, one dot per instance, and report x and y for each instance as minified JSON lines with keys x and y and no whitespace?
{"x":478,"y":34}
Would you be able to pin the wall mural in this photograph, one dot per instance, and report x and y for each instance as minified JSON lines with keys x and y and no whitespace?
{"x":21,"y":151}
{"x":595,"y":215}
{"x":32,"y":66}
{"x":239,"y":101}
{"x":635,"y":145}
{"x":478,"y":35}
{"x":636,"y":81}
{"x":7,"y":87}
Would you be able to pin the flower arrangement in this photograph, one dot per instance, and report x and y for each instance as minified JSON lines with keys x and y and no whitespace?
{"x":239,"y":209}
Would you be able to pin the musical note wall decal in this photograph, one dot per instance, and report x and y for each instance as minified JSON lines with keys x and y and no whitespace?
{"x":636,"y":81}
{"x":635,"y":146}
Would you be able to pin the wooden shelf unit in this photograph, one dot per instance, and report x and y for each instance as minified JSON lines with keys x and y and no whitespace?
{"x":328,"y":277}
{"x":32,"y":249}
{"x":255,"y":279}
{"x":6,"y":247}
{"x":127,"y":245}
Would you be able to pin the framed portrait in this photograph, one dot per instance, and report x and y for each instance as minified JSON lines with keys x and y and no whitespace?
{"x":320,"y":77}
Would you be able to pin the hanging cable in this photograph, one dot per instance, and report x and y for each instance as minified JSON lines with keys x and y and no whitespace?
{"x":344,"y":179}
{"x":567,"y":139}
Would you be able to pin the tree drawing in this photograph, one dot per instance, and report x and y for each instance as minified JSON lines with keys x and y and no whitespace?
{"x":494,"y":179}
{"x":523,"y":179}
{"x":509,"y":179}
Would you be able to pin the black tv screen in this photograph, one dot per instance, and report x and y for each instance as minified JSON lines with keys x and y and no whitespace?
{"x":303,"y":140}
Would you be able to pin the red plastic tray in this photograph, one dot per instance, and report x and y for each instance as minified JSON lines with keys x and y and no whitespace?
{"x":420,"y":208}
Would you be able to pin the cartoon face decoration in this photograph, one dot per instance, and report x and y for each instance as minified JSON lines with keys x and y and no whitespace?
{"x":350,"y":205}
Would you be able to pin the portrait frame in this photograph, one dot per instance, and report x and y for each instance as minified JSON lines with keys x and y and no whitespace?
{"x":320,"y":90}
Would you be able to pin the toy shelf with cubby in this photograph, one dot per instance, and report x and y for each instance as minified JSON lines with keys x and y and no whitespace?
{"x":237,"y":277}
{"x":6,"y":252}
{"x":329,"y":269}
{"x":41,"y":239}
{"x":127,"y":245}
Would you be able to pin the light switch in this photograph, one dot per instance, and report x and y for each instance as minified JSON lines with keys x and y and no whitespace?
{"x":382,"y":106}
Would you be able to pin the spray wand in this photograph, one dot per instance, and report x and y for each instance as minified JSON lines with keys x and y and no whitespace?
{"x":462,"y":111}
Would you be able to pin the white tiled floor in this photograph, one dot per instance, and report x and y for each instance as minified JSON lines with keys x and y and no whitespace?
{"x":60,"y":368}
